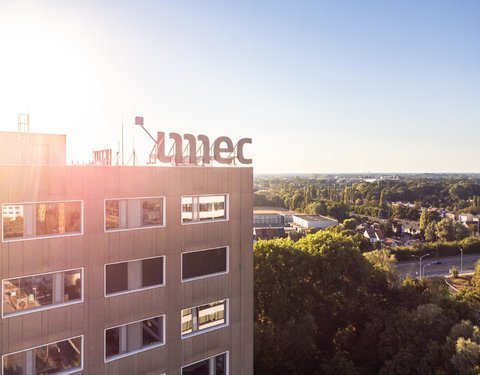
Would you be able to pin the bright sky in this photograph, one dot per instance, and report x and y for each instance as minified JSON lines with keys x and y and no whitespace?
{"x":320,"y":86}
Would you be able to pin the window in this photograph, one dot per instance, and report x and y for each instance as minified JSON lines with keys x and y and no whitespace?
{"x":134,"y":275}
{"x":204,"y":263}
{"x":217,"y":365}
{"x":39,"y":292}
{"x":204,"y":318}
{"x":201,"y":208}
{"x":134,"y":213}
{"x":36,"y":220}
{"x":61,"y":357}
{"x":134,"y":337}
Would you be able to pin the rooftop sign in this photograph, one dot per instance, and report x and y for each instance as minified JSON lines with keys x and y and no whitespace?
{"x":222,"y":150}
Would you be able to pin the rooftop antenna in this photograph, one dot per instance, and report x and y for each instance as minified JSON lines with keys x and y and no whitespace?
{"x":122,"y":137}
{"x":117,"y":154}
{"x":22,"y":137}
{"x":134,"y":155}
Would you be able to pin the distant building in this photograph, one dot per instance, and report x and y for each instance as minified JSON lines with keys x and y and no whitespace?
{"x":393,"y":242}
{"x":464,"y":218}
{"x":405,"y":203}
{"x":264,"y":216}
{"x":269,"y":233}
{"x":267,"y":219}
{"x":374,"y":235}
{"x":411,"y":227}
{"x":304,"y":222}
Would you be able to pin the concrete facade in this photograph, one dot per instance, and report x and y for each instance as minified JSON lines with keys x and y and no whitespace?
{"x":95,"y":248}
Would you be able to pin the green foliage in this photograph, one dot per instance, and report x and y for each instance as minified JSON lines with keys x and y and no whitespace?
{"x":299,"y":193}
{"x":476,"y":275}
{"x":350,"y":224}
{"x":460,"y":231}
{"x":384,"y":261}
{"x":430,"y":233}
{"x":470,"y":245}
{"x":467,"y":357}
{"x":428,"y":217}
{"x":454,"y":272}
{"x":321,"y":307}
{"x":445,"y":231}
{"x":402,"y":211}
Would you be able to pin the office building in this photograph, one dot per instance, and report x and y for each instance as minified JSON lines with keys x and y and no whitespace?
{"x":126,"y":270}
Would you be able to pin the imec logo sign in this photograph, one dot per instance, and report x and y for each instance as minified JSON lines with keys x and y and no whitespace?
{"x":198,"y":150}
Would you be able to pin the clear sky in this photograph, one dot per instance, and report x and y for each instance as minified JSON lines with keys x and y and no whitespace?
{"x":320,"y":86}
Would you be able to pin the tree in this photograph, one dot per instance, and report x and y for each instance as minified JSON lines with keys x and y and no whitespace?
{"x":304,"y":292}
{"x":431,"y":232}
{"x":467,"y":357}
{"x":445,"y":231}
{"x":350,"y":224}
{"x":454,"y":272}
{"x":460,"y":231}
{"x":427,"y":217}
{"x":385,"y":261}
{"x":476,"y":275}
{"x":383,"y":202}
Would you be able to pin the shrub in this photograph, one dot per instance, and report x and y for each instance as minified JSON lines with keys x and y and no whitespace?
{"x":454,"y":272}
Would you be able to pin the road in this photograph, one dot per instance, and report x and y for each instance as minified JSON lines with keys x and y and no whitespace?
{"x":429,"y":269}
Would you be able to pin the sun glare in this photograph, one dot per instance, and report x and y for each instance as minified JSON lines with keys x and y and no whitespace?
{"x":43,"y":70}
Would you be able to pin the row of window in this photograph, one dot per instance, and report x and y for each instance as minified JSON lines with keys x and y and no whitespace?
{"x":67,"y":356}
{"x":134,"y":337}
{"x":46,"y":219}
{"x":120,"y":341}
{"x":37,"y":292}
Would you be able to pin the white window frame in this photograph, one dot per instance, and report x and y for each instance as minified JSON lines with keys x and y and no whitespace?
{"x":227,"y":361}
{"x":50,"y":343}
{"x":133,"y":290}
{"x":48,"y":235}
{"x":202,"y":331}
{"x":123,"y":355}
{"x":210,"y":274}
{"x":227,"y":209}
{"x":49,"y":307}
{"x":136,"y":228}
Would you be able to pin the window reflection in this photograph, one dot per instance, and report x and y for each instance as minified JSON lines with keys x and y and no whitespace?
{"x":216,"y":365}
{"x":112,"y":342}
{"x":152,"y":210}
{"x":111,"y":214}
{"x":203,"y":317}
{"x":187,"y":209}
{"x":133,"y":337}
{"x":33,"y":292}
{"x":204,"y":208}
{"x":41,"y":219}
{"x":133,"y":213}
{"x":204,"y":263}
{"x":62,"y":357}
{"x":134,"y":275}
{"x":12,"y":221}
{"x":58,"y":357}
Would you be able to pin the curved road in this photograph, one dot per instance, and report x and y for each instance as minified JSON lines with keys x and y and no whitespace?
{"x":429,"y":269}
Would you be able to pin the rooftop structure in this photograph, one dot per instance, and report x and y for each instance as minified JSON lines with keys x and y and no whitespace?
{"x":22,"y":148}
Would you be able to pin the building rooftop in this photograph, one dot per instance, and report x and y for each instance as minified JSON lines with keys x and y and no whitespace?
{"x":315,"y":218}
{"x":258,"y":210}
